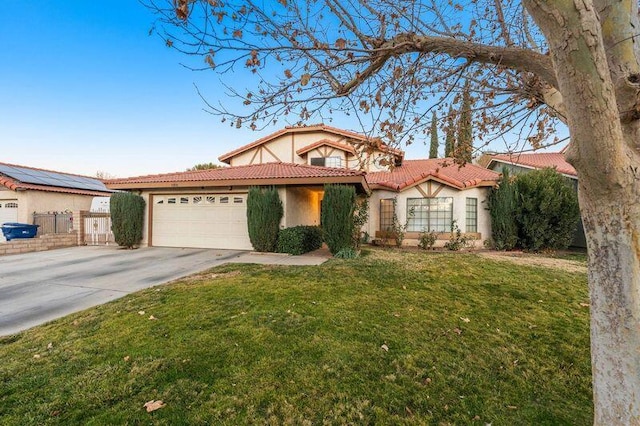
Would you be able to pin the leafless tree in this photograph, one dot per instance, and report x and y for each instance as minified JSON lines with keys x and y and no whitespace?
{"x":530,"y":64}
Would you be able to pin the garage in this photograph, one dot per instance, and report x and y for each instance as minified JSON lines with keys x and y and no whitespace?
{"x":200,"y":221}
{"x":8,"y":213}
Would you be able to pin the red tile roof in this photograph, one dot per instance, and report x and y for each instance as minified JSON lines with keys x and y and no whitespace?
{"x":413,"y":172}
{"x":326,"y":142}
{"x":312,"y":128}
{"x":15,"y":185}
{"x":239,"y":175}
{"x":538,"y":161}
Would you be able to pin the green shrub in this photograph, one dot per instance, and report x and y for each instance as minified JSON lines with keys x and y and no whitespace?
{"x":399,"y":230}
{"x":456,"y":241}
{"x":547,"y":210}
{"x":427,"y":240}
{"x":338,"y":207}
{"x":502,"y":209}
{"x":347,"y":253}
{"x":264,"y":212}
{"x":127,"y":218}
{"x":299,"y":239}
{"x":360,"y":218}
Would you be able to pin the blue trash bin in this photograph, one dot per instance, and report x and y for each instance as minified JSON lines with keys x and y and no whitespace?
{"x":13,"y":230}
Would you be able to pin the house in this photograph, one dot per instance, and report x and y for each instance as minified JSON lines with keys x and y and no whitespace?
{"x":25,"y":190}
{"x":207,"y":208}
{"x":525,"y":162}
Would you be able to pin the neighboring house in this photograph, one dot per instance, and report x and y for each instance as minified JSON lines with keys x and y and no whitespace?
{"x":25,"y":190}
{"x":525,"y":162}
{"x":207,"y":208}
{"x":522,"y":163}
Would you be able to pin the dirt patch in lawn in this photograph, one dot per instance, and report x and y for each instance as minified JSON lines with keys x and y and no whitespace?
{"x":520,"y":258}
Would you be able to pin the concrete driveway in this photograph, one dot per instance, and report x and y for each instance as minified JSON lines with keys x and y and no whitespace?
{"x":42,"y":286}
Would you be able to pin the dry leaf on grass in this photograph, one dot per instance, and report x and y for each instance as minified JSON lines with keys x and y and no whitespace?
{"x":584,"y":305}
{"x":465,"y":319}
{"x":152,"y":318}
{"x":153,"y":405}
{"x":385,"y":348}
{"x":140,"y":312}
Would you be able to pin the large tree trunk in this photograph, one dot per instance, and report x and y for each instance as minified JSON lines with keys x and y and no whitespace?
{"x":604,"y":151}
{"x":613,"y":238}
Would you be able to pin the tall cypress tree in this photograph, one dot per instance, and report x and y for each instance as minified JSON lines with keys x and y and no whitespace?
{"x":465,"y":134}
{"x":450,"y":141}
{"x":433,"y":151}
{"x":264,"y":212}
{"x":127,"y":218}
{"x":338,"y":205}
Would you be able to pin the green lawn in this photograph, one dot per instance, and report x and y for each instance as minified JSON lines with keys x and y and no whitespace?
{"x":470,"y":341}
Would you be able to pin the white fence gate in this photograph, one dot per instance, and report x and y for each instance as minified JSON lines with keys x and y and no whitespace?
{"x":97,"y":229}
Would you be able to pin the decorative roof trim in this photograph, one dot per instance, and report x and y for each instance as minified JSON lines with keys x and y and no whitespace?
{"x":326,"y":142}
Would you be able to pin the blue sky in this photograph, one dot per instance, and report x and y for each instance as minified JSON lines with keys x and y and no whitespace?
{"x":84,"y":88}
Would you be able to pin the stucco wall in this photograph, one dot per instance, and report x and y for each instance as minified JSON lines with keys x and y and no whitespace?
{"x":40,"y":202}
{"x":301,"y":207}
{"x":459,"y":208}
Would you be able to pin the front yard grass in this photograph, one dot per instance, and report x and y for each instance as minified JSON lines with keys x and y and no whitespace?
{"x":390,"y":338}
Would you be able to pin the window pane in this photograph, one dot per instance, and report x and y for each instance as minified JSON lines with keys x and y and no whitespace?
{"x":472,"y":215}
{"x":430,"y":214}
{"x":386,"y":214}
{"x":333,"y":162}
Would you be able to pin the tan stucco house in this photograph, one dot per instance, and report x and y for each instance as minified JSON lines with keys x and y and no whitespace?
{"x":25,"y":190}
{"x":207,"y":208}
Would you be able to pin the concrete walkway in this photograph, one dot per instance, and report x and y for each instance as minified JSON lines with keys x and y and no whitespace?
{"x":43,"y":286}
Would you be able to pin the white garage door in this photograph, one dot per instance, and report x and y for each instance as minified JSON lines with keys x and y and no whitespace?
{"x":201,"y":220}
{"x":8,"y":213}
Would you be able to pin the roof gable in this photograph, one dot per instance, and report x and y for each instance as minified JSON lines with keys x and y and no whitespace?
{"x":374,"y":142}
{"x":326,"y":142}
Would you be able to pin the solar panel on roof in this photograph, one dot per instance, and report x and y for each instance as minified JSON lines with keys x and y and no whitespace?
{"x":41,"y":177}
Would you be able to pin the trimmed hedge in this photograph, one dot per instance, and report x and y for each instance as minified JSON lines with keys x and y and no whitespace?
{"x":338,"y":206}
{"x":547,"y":212}
{"x":502,"y":208}
{"x":533,"y":211}
{"x":264,"y":212}
{"x":127,"y":217}
{"x":299,"y":239}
